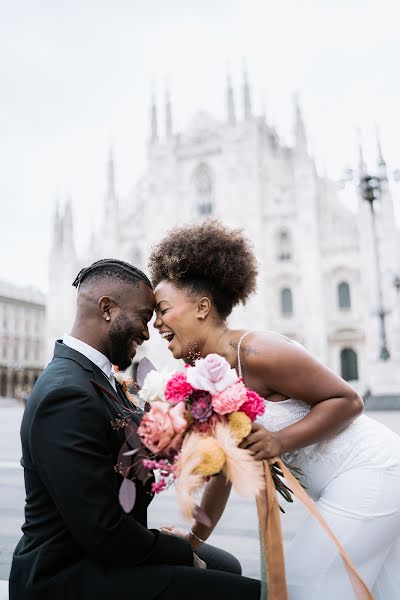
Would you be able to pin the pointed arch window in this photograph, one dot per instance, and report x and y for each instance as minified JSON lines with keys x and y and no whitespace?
{"x":284,"y":250}
{"x":286,"y":302}
{"x":204,"y":185}
{"x":3,"y":384}
{"x":344,"y":299}
{"x":349,"y":364}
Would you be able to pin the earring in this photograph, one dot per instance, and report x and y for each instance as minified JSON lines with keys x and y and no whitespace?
{"x":108,"y":317}
{"x":193,"y":353}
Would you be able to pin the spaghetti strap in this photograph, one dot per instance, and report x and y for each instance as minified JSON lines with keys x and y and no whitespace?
{"x":238,"y":352}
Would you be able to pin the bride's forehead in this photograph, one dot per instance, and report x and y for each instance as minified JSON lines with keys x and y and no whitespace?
{"x":167,"y":291}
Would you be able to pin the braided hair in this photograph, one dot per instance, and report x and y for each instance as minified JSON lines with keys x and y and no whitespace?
{"x":111,"y":268}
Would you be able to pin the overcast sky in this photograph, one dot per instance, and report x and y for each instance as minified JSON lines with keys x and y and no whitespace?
{"x":75,"y":77}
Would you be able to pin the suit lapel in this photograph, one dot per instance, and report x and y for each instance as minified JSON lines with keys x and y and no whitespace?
{"x":99,"y":380}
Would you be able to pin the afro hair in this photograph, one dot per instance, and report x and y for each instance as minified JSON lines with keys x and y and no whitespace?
{"x":207,"y":258}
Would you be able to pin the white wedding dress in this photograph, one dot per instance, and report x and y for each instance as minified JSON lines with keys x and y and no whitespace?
{"x":354,"y":477}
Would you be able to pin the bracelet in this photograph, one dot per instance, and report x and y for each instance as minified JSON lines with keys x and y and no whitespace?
{"x":196,"y":536}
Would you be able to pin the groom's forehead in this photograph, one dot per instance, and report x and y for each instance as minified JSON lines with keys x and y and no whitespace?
{"x":141,"y":298}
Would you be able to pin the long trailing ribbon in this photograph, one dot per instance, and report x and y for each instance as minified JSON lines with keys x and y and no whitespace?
{"x":271,"y":536}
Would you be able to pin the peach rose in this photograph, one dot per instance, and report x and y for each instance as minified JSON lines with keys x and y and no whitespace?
{"x":161,"y":429}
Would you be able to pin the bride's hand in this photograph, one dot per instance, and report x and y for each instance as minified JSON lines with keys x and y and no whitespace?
{"x":172,"y":530}
{"x":262,"y":443}
{"x":186,"y":535}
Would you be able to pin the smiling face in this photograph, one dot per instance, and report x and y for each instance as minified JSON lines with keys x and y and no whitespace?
{"x":180,"y":319}
{"x":129,"y":324}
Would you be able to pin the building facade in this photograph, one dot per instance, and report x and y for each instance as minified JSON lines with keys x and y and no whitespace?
{"x":312,"y":237}
{"x":22,"y":339}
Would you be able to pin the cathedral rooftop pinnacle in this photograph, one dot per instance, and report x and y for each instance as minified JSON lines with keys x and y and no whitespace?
{"x":168,"y":114}
{"x":381,"y":160}
{"x":153,"y":119}
{"x":111,"y":173}
{"x":362,"y":166}
{"x":246,"y":95}
{"x":299,"y":127}
{"x":111,"y":200}
{"x":230,"y":100}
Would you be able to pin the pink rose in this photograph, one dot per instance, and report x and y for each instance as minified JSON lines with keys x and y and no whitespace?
{"x":161,"y":429}
{"x":177,"y":388}
{"x":212,"y":374}
{"x":254,"y":405}
{"x":231,"y":399}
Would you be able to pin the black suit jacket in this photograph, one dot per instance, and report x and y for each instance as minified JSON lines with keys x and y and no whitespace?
{"x":77,"y":542}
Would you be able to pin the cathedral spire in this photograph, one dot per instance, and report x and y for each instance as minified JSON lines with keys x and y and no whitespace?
{"x":111,"y":173}
{"x":68,"y":226}
{"x":262,"y":106}
{"x":362,"y":167}
{"x":153,"y":119}
{"x":111,"y":202}
{"x":381,"y":160}
{"x":57,"y":225}
{"x":246,"y":95}
{"x":230,"y":100}
{"x":299,"y":128}
{"x":168,"y":114}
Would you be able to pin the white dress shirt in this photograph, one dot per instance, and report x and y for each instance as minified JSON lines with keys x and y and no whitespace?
{"x":92,"y":354}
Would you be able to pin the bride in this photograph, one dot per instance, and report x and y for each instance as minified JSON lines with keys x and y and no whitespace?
{"x":313,"y":418}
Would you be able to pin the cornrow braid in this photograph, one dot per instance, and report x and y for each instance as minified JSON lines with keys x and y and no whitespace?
{"x":111,"y":268}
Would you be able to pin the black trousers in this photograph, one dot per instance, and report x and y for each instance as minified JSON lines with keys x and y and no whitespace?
{"x":221,"y":580}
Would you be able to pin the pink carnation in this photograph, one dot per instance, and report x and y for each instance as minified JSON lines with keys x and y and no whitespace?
{"x":230,"y":399}
{"x":178,"y":389}
{"x":254,"y":405}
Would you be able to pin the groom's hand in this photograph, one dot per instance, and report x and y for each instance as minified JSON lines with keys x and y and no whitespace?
{"x":262,"y":443}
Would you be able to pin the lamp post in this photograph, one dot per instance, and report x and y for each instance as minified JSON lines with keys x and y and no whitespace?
{"x":396,"y":283}
{"x":370,"y":190}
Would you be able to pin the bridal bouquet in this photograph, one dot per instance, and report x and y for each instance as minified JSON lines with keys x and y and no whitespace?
{"x":196,"y":421}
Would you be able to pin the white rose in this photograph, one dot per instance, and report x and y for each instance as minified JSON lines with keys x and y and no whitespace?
{"x":212,"y":374}
{"x":120,"y":375}
{"x":154,"y":386}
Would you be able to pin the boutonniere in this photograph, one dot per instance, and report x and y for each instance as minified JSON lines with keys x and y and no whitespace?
{"x":129,"y":387}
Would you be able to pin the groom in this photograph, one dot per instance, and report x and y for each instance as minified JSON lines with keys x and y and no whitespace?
{"x":77,"y":542}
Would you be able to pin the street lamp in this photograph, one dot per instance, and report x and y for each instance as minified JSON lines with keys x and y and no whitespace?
{"x":370,"y":190}
{"x":396,"y":283}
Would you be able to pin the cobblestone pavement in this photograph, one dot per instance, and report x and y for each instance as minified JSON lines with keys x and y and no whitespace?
{"x":237,"y":531}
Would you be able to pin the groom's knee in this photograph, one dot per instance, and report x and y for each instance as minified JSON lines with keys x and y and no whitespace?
{"x":219,"y":560}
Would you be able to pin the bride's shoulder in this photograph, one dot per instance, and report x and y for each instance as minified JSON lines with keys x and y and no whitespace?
{"x":261,"y":340}
{"x":259,"y":349}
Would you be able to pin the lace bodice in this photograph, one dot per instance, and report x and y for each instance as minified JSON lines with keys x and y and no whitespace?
{"x":279,"y":415}
{"x":363,"y":443}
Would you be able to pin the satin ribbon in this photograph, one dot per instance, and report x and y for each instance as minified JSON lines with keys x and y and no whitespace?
{"x":271,"y":536}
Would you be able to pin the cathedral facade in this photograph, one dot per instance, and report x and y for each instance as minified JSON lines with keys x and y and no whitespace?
{"x":313,"y":238}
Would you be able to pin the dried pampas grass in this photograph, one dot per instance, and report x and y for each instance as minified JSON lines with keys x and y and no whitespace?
{"x":245,"y":473}
{"x":189,"y":482}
